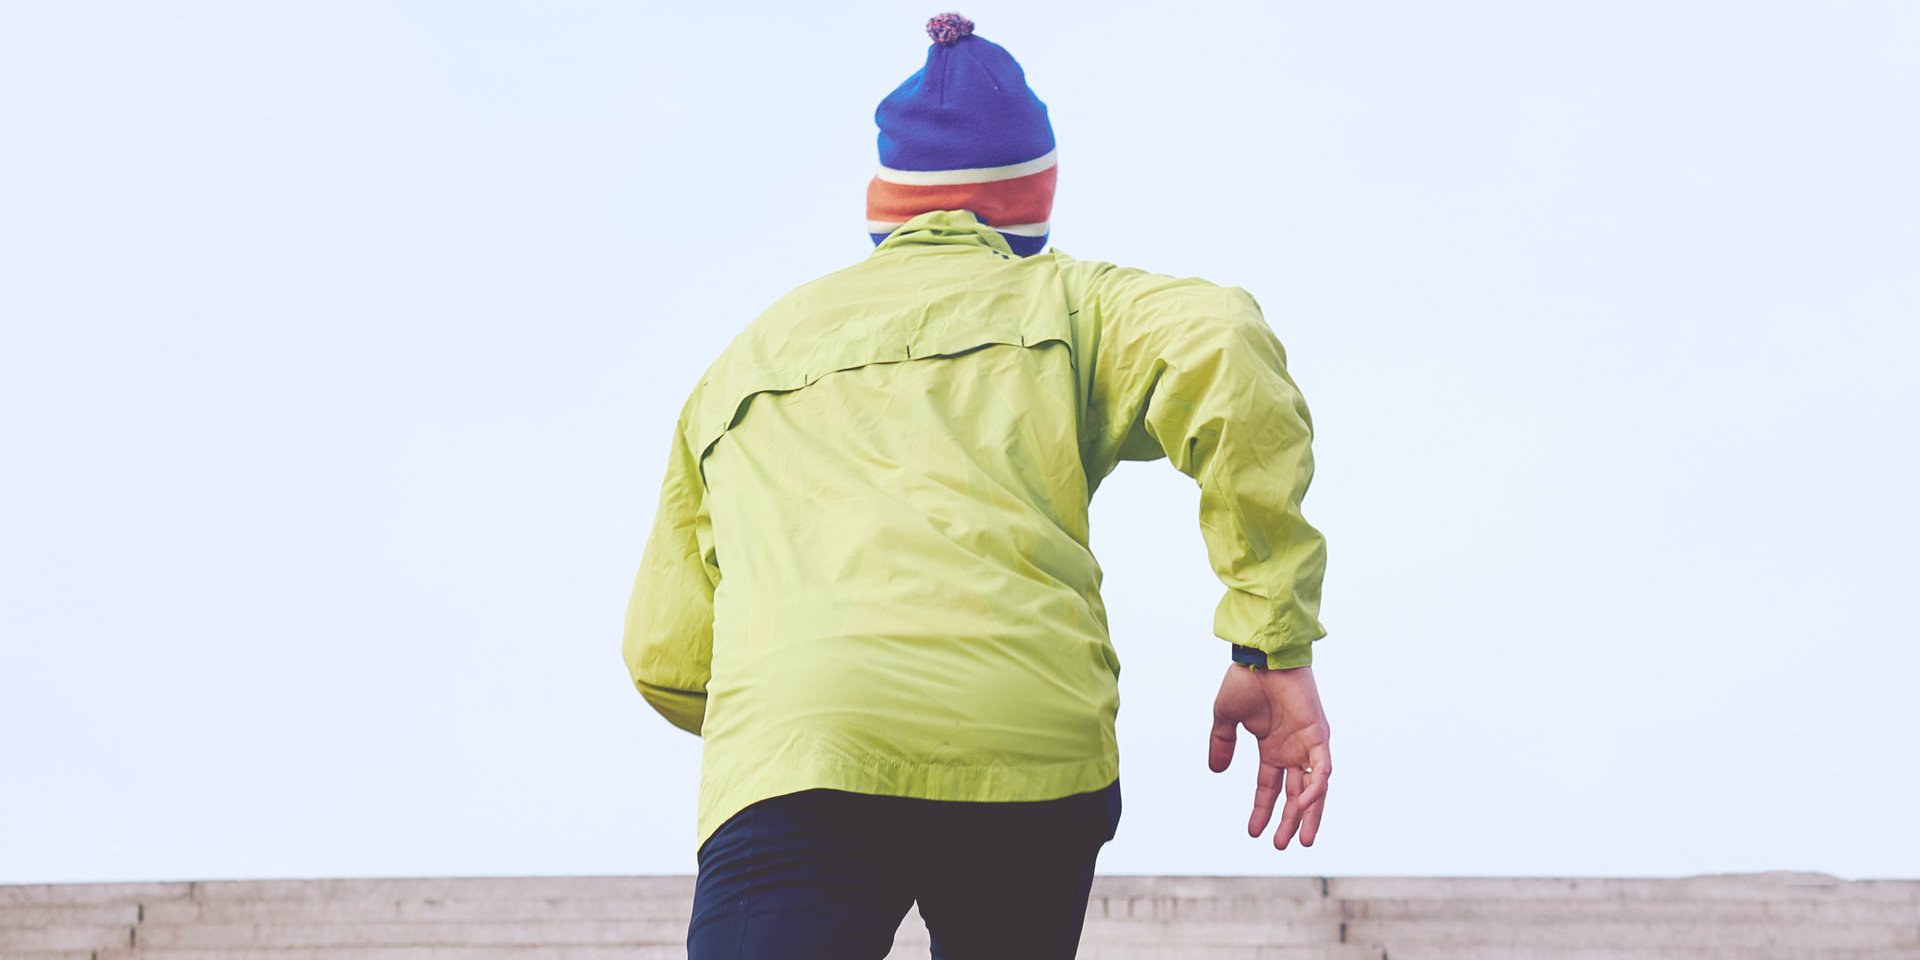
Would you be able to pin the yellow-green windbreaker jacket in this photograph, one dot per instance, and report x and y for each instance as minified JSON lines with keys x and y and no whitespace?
{"x":870,"y":571}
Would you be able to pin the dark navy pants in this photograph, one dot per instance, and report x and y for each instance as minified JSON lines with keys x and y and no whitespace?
{"x":829,"y":875}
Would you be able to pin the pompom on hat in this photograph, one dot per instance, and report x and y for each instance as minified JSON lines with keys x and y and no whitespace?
{"x":965,"y":133}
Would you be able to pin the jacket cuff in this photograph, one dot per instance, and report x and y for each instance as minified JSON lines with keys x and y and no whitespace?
{"x":1284,"y":631}
{"x":1291,"y":658}
{"x":1286,"y":653}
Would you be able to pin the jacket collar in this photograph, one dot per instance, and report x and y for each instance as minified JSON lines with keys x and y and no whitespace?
{"x":943,"y":227}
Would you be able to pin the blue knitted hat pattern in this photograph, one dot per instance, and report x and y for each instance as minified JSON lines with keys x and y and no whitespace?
{"x":966,"y":118}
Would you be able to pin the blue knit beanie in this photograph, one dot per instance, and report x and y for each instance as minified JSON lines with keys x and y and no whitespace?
{"x":965,"y":133}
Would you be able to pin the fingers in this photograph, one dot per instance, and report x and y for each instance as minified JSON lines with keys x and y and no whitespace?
{"x":1314,"y":797}
{"x":1266,"y":791}
{"x":1220,"y":744}
{"x":1306,"y":788}
{"x":1315,"y":787}
{"x":1310,"y":825}
{"x":1290,"y":816}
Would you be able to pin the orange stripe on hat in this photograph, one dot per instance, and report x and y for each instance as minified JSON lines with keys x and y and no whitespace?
{"x":1027,"y":199}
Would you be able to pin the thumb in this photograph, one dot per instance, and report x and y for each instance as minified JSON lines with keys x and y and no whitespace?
{"x":1220,"y":744}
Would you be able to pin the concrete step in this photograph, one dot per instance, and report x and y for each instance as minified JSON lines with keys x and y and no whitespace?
{"x":67,"y":914}
{"x":1782,"y":916}
{"x":1216,"y":933}
{"x":344,"y":910}
{"x":553,"y":909}
{"x":340,"y":910}
{"x":1737,"y":887}
{"x":1713,"y":911}
{"x":1207,"y":910}
{"x":84,"y":893}
{"x":1206,"y":888}
{"x":1096,"y":950}
{"x":543,"y":933}
{"x":1399,"y":935}
{"x":54,"y":938}
{"x":448,"y":888}
{"x":1325,"y":951}
{"x":1764,"y":886}
{"x":422,"y":934}
{"x":549,"y":908}
{"x":677,"y":951}
{"x":1602,"y":952}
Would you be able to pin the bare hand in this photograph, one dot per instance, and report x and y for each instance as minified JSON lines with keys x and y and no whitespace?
{"x":1281,"y":708}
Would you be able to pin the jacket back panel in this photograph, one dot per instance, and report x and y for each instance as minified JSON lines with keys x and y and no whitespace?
{"x":907,"y":602}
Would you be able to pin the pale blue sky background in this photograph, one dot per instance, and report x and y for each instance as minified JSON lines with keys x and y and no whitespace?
{"x":342,"y":341}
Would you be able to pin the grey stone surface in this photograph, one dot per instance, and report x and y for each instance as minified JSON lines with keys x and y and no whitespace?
{"x":658,"y":952}
{"x":1224,"y":908}
{"x":347,"y":910}
{"x":13,"y":915}
{"x":1207,"y":888}
{"x":445,"y":888}
{"x":424,"y":934}
{"x":1606,"y":952}
{"x":1758,"y":886}
{"x":1780,"y":916}
{"x":64,"y":936}
{"x":70,"y":893}
{"x":1635,"y":933}
{"x":1696,"y":912}
{"x":1110,"y":951}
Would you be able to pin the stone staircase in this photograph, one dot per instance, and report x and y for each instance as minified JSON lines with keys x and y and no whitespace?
{"x":1775,"y":916}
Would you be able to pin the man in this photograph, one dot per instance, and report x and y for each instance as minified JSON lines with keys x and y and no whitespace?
{"x":869,"y":589}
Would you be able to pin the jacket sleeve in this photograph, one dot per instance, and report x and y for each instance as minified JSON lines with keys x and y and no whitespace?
{"x":1189,"y":370}
{"x":668,"y":643}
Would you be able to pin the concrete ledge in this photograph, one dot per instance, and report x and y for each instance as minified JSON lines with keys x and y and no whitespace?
{"x":1776,"y":916}
{"x":1756,"y":886}
{"x":63,"y":937}
{"x":77,"y":893}
{"x":447,"y":888}
{"x":1602,"y":952}
{"x":15,"y":915}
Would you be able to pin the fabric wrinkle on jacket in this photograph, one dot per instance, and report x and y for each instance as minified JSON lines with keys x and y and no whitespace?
{"x":870,"y":567}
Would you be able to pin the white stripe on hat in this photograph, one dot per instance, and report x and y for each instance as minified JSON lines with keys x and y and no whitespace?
{"x":940,"y":178}
{"x":1017,"y":229}
{"x":1024,"y":229}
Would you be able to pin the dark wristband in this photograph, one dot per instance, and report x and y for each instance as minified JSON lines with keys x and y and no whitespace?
{"x":1251,"y":656}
